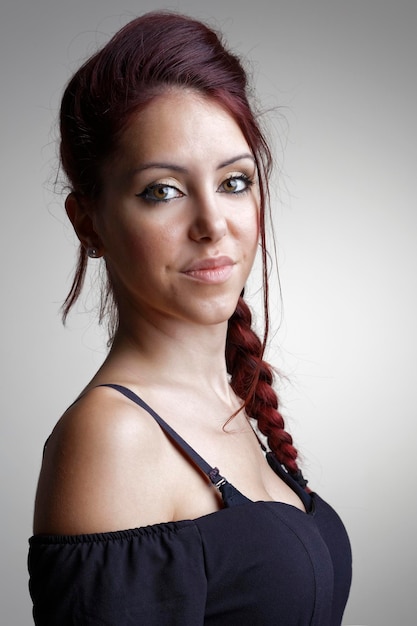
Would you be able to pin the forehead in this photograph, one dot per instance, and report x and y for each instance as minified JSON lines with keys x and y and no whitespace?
{"x":184,"y":125}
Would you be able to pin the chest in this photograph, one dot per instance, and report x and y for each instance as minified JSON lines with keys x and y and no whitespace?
{"x":288,"y":554}
{"x":239,"y":458}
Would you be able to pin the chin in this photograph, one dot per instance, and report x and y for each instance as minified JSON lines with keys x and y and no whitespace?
{"x":217,"y":314}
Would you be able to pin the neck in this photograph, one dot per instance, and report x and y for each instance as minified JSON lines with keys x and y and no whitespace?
{"x":175,"y":354}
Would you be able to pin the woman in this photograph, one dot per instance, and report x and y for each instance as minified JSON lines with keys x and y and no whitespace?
{"x":134,"y":523}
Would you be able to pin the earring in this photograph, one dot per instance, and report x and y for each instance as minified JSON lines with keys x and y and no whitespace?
{"x":92,"y":252}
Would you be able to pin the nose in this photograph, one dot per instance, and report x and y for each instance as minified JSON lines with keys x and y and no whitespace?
{"x":208,"y":221}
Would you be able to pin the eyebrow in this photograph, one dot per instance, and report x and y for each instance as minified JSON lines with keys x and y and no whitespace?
{"x":183,"y":170}
{"x":240,"y":157}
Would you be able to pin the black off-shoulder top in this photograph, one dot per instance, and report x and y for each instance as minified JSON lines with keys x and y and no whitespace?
{"x":248,"y":564}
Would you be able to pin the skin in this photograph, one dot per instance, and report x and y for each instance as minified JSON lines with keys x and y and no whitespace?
{"x":181,"y":190}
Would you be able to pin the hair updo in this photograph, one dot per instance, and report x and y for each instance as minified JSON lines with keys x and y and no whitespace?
{"x":147,"y":57}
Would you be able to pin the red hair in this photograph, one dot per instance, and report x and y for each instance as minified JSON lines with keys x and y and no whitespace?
{"x":148,"y":56}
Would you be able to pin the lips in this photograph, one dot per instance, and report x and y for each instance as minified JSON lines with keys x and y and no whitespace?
{"x":211,"y":263}
{"x":211,"y":270}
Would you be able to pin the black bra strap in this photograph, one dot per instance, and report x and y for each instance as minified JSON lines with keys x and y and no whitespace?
{"x":212,"y":472}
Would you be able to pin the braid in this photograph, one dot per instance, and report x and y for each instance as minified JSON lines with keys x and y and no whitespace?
{"x":251,"y":379}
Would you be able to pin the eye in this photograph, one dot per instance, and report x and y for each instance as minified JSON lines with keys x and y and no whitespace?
{"x":158,"y":192}
{"x":234,"y":184}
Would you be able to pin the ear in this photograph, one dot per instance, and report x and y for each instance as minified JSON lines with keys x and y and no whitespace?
{"x":79,"y":214}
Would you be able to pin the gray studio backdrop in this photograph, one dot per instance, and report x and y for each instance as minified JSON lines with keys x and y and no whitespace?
{"x":339,"y":80}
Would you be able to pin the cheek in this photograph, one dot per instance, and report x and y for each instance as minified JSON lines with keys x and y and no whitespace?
{"x":148,"y":245}
{"x":250,"y":229}
{"x":127,"y":251}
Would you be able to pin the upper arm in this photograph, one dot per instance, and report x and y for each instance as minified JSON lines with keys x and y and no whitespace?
{"x":151,"y":577}
{"x":101,"y":468}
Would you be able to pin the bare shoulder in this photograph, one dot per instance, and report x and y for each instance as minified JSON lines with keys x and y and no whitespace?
{"x":102,"y":465}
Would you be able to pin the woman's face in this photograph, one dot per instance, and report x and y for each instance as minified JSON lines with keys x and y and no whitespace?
{"x":179,"y":214}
